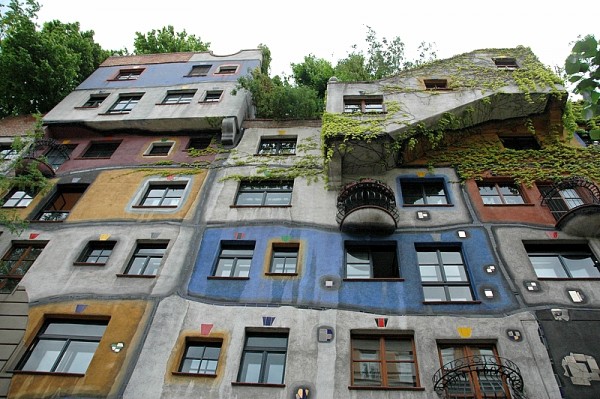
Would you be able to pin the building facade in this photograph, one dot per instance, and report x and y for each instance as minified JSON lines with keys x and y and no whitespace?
{"x":434,"y":235}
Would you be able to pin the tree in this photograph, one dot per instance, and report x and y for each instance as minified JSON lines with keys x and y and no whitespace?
{"x":313,"y":72}
{"x":582,"y":70}
{"x":166,"y":40}
{"x":38,"y":68}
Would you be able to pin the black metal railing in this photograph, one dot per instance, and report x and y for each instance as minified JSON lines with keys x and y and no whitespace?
{"x":568,"y":194}
{"x":366,"y":193}
{"x":479,"y":377}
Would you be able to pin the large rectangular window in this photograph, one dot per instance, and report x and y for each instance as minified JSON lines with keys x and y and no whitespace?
{"x":500,"y":193}
{"x":443,"y":275}
{"x":146,"y":259}
{"x":370,"y":104}
{"x":265,"y":193}
{"x":101,"y":149}
{"x":64,"y":346}
{"x":15,"y":264}
{"x":384,"y":361}
{"x":179,"y":97}
{"x":163,"y":195}
{"x":263,"y":360}
{"x":377,"y":260}
{"x":235,"y":259}
{"x":125,"y":103}
{"x":61,"y":203}
{"x":424,"y":192}
{"x":557,"y":260}
{"x":277,"y":146}
{"x":17,"y":199}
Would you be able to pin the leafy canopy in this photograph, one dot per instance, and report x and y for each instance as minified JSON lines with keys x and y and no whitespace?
{"x":581,"y":67}
{"x":166,"y":40}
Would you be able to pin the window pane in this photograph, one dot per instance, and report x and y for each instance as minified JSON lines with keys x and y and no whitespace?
{"x":430,"y":273}
{"x":401,"y":374}
{"x":242,"y":268}
{"x":427,"y":258}
{"x":455,"y":273}
{"x":251,"y":367}
{"x":44,"y":355}
{"x":224,"y":268}
{"x":547,"y":266}
{"x":278,"y":198}
{"x":249,"y":199}
{"x":76,"y":329}
{"x":451,"y":258}
{"x":580,"y":266}
{"x":358,"y":271}
{"x":152,"y":266}
{"x":398,"y":350}
{"x":77,"y":357}
{"x":366,"y":373}
{"x":274,"y":368}
{"x":434,"y":294}
{"x":460,"y":293}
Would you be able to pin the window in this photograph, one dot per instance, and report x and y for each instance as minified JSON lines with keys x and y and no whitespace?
{"x":265,"y":193}
{"x":500,"y":194}
{"x":56,"y":156}
{"x":100,"y":150}
{"x":561,"y":201}
{"x":200,"y":357}
{"x":94,"y":101}
{"x":61,"y":203}
{"x":235,"y":259}
{"x":64,"y":346}
{"x":479,"y":376}
{"x":436,"y":84}
{"x":520,"y":142}
{"x":506,"y":63}
{"x":384,"y":361}
{"x":371,"y":261}
{"x":17,"y":199}
{"x":263,"y":359}
{"x":7,"y":153}
{"x":284,"y":259}
{"x":227,"y":70}
{"x":96,"y":253}
{"x":146,"y":259}
{"x":179,"y":97}
{"x":199,"y":143}
{"x":15,"y":264}
{"x":424,"y":192}
{"x":129,"y":74}
{"x":125,"y":103}
{"x":199,"y":70}
{"x":363,"y":105}
{"x":159,"y":149}
{"x":213,"y":96}
{"x":163,"y":195}
{"x":443,"y":275}
{"x":277,"y":147}
{"x":563,"y":260}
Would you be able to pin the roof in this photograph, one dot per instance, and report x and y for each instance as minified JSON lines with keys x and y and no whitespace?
{"x":16,"y":125}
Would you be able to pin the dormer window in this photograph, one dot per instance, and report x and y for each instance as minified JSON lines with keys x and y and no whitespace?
{"x":129,"y":74}
{"x":200,"y":70}
{"x":506,"y":63}
{"x":227,"y":70}
{"x":436,"y":84}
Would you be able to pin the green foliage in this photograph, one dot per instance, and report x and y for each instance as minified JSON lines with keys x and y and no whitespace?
{"x":352,"y":68}
{"x":38,"y":68}
{"x":582,"y":70}
{"x":265,"y":66}
{"x":313,"y":72}
{"x":166,"y":40}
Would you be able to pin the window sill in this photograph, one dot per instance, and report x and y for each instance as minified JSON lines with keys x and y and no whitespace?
{"x":374,"y":388}
{"x":260,"y":206}
{"x":274,"y":155}
{"x":257,"y":384}
{"x":509,"y":205}
{"x":227,"y":278}
{"x":155,"y":207}
{"x":88,"y":158}
{"x":451,"y":302}
{"x":427,"y":205}
{"x":31,"y":372}
{"x":88,"y":264}
{"x":569,"y":278}
{"x":281,"y":274}
{"x":374,"y":280}
{"x":136,"y":275}
{"x":95,"y":107}
{"x":173,"y":103}
{"x":179,"y":373}
{"x":46,"y":221}
{"x":115,"y":113}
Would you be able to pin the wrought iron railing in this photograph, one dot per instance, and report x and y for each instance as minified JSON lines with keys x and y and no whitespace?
{"x":568,"y":194}
{"x":495,"y":377}
{"x":366,"y":193}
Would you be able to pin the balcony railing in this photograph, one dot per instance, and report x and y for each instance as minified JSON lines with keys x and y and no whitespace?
{"x":479,"y":377}
{"x":566,"y":195}
{"x":366,"y":194}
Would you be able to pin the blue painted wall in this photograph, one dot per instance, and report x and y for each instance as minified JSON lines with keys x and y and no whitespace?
{"x":323,"y":255}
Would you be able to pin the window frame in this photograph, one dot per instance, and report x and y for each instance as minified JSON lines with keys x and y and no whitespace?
{"x":95,"y":151}
{"x":265,"y":352}
{"x":94,"y":101}
{"x":7,"y":152}
{"x":12,"y":196}
{"x":383,"y":361}
{"x":559,"y":252}
{"x":159,"y":144}
{"x":210,"y":96}
{"x":422,"y":184}
{"x":44,"y":335}
{"x":208,"y":140}
{"x":59,"y":204}
{"x":245,"y":252}
{"x":384,"y":248}
{"x":55,"y":155}
{"x":227,"y":69}
{"x":267,"y":187}
{"x":198,"y":342}
{"x":497,"y":187}
{"x":138,"y":254}
{"x":277,"y":146}
{"x":128,"y":74}
{"x":364,"y":105}
{"x":201,"y":68}
{"x":280,"y":250}
{"x":443,"y":279}
{"x":436,"y":84}
{"x":178,"y":97}
{"x":506,"y":63}
{"x":88,"y":252}
{"x":13,"y":278}
{"x":125,"y":103}
{"x":167,"y":187}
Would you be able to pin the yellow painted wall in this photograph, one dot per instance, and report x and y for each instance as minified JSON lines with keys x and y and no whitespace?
{"x":106,"y":371}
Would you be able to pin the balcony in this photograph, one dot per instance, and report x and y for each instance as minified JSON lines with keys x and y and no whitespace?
{"x":368,"y":206}
{"x":575,"y":204}
{"x":479,"y":377}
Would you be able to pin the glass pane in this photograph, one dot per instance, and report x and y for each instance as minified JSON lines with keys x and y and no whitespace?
{"x":427,"y":258}
{"x":171,"y":202}
{"x":580,"y":266}
{"x":251,"y":367}
{"x":365,"y":349}
{"x":278,"y":198}
{"x":152,"y":266}
{"x":254,"y":199}
{"x":547,"y":266}
{"x":401,"y":374}
{"x":224,"y":268}
{"x":77,"y":357}
{"x":366,"y":373}
{"x":357,"y":256}
{"x":434,"y":294}
{"x":460,"y":293}
{"x":237,"y":252}
{"x":44,"y":355}
{"x":451,"y":258}
{"x":76,"y":329}
{"x":274,"y":368}
{"x":267,"y":342}
{"x":455,"y":273}
{"x":137,"y":266}
{"x":358,"y":271}
{"x":242,"y":268}
{"x":151,"y":202}
{"x":430,"y":273}
{"x":398,"y":350}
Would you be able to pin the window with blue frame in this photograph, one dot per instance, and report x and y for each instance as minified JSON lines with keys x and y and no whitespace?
{"x":428,"y":192}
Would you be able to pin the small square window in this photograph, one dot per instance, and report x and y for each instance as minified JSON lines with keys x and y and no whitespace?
{"x":94,"y":101}
{"x":199,"y":70}
{"x":64,"y":346}
{"x":15,"y":263}
{"x":213,"y":96}
{"x":500,"y":194}
{"x":567,"y":261}
{"x":159,"y":149}
{"x":424,"y":192}
{"x":96,"y":252}
{"x":444,"y":275}
{"x":179,"y":97}
{"x":200,"y":357}
{"x":125,"y":103}
{"x":17,"y":199}
{"x":375,"y":260}
{"x":506,"y":63}
{"x":520,"y":142}
{"x":129,"y":74}
{"x":363,"y":105}
{"x":227,"y":70}
{"x":199,"y":143}
{"x":265,"y":193}
{"x":235,"y":259}
{"x":101,"y":150}
{"x":161,"y":195}
{"x":7,"y":153}
{"x":436,"y":84}
{"x":263,"y":359}
{"x":284,"y":259}
{"x":146,"y":259}
{"x":277,"y":146}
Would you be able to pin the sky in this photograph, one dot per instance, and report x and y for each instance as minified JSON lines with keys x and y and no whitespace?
{"x":329,"y":28}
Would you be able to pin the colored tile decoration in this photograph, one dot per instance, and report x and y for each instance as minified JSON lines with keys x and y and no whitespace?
{"x":465,"y":332}
{"x":302,"y":393}
{"x":117,"y":346}
{"x":325,"y":334}
{"x":514,"y":335}
{"x":205,"y":329}
{"x":104,"y":237}
{"x":268,"y":320}
{"x":381,"y":321}
{"x":80,"y":308}
{"x":285,"y":238}
{"x":170,"y":177}
{"x":33,"y":236}
{"x":552,"y":234}
{"x":239,"y":236}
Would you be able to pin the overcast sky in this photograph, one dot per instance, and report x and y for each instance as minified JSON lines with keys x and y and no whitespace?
{"x":329,"y":28}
